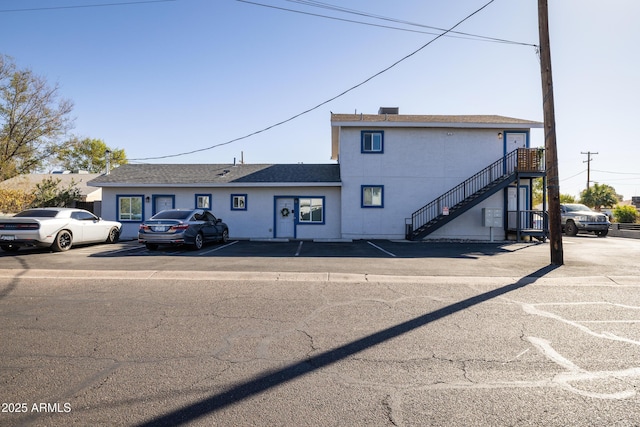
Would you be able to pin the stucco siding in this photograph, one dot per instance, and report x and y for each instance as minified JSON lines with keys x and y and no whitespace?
{"x":256,"y":221}
{"x":468,"y":226}
{"x":416,"y":166}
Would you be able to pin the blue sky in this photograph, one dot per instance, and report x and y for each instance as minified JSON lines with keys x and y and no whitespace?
{"x":168,"y":77}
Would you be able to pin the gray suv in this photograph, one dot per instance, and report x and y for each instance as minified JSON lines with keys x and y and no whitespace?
{"x":576,"y":217}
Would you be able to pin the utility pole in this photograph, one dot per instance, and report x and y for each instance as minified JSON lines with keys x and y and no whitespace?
{"x":588,"y":162}
{"x":551,"y":156}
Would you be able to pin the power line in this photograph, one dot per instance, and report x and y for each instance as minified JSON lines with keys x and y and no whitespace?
{"x":86,"y":6}
{"x":573,"y":176}
{"x":319,"y":4}
{"x":462,"y":35}
{"x":617,"y":173}
{"x":352,"y":88}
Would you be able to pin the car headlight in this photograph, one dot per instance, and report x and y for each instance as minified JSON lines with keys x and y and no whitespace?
{"x":580,"y":218}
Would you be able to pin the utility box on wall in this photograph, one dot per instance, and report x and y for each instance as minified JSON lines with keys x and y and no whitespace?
{"x":492,"y":217}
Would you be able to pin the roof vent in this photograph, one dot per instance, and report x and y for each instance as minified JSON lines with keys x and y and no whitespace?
{"x":389,"y":110}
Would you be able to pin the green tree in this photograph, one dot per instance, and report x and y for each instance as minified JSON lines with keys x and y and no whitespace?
{"x":537,"y":191}
{"x":537,"y":194}
{"x":625,"y":214}
{"x":599,"y":195}
{"x":49,"y":193}
{"x":89,"y":154}
{"x":32,"y":119}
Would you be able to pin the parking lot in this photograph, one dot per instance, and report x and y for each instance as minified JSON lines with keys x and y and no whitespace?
{"x":322,"y":333}
{"x":584,"y":255}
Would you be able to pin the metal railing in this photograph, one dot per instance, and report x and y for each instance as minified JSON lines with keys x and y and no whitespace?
{"x":528,"y":220}
{"x":626,"y":226}
{"x":520,"y":159}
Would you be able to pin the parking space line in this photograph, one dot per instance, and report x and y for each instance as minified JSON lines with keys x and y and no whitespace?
{"x":218,"y":248}
{"x":299,"y":248}
{"x":133,"y":248}
{"x":379,"y":248}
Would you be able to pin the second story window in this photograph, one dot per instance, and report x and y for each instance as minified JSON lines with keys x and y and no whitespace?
{"x":372,"y":141}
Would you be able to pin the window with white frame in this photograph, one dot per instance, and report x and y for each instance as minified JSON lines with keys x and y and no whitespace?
{"x":372,"y":141}
{"x":372,"y":196}
{"x":130,"y":208}
{"x":311,"y":210}
{"x":203,"y":201}
{"x":239,"y":202}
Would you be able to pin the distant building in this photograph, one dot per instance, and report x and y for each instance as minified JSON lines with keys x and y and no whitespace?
{"x":28,"y":182}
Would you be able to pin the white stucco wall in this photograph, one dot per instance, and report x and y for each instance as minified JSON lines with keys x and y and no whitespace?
{"x":257,"y":221}
{"x":417,"y":165}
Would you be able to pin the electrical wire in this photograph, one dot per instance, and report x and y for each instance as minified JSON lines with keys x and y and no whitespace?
{"x":573,"y":176}
{"x":352,"y":88}
{"x":400,"y":21}
{"x":86,"y":5}
{"x":616,"y":173}
{"x":461,"y":35}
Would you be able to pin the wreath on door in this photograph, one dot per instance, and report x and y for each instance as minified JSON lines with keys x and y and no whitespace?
{"x":285,"y":212}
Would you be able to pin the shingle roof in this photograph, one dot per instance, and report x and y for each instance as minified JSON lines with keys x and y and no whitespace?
{"x":28,"y":181}
{"x":218,"y":174}
{"x":434,"y":120}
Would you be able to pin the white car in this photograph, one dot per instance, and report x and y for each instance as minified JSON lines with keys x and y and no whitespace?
{"x":57,"y":228}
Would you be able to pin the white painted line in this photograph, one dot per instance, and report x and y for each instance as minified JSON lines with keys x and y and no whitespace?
{"x":134,"y":248}
{"x":218,"y":248}
{"x":522,"y":353}
{"x":299,"y":248}
{"x":379,"y":248}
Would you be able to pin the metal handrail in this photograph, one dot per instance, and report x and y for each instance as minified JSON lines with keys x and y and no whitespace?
{"x":529,"y":219}
{"x":497,"y":171}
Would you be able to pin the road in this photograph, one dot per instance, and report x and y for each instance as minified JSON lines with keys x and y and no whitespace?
{"x":290,"y":333}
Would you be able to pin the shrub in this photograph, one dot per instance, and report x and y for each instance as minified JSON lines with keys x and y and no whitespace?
{"x":625,"y":214}
{"x":14,"y":201}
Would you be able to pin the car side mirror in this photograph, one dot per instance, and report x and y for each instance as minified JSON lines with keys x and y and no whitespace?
{"x":218,"y":220}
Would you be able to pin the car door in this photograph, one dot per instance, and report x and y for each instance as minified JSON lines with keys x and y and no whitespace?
{"x":85,"y":227}
{"x":210,"y":228}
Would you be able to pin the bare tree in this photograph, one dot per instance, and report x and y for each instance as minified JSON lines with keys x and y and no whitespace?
{"x":32,"y":119}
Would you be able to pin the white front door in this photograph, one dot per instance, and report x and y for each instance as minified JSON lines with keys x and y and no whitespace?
{"x":515,"y":140}
{"x":285,"y":216}
{"x":512,"y":207}
{"x":162,"y":203}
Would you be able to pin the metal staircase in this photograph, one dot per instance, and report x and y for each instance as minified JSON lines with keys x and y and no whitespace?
{"x":472,"y":191}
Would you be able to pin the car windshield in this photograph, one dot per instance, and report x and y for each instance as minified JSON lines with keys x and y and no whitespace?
{"x":37,"y":213}
{"x":172,"y":215}
{"x":577,"y":208}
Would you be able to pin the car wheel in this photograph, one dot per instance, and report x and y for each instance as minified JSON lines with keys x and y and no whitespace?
{"x":114,"y":235}
{"x":10,"y":248}
{"x":602,"y":233}
{"x":151,"y":246}
{"x":62,"y":242}
{"x":225,"y":236}
{"x":198,"y":242}
{"x":570,"y":228}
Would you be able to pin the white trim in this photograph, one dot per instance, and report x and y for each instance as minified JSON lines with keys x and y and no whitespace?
{"x":220,"y":185}
{"x":368,"y":124}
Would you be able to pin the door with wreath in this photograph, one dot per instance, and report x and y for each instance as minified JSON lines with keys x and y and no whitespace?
{"x":285,"y":216}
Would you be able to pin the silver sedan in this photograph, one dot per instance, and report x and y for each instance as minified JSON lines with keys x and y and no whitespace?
{"x":192,"y":227}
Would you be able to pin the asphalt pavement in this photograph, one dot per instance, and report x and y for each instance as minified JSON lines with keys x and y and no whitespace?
{"x":322,"y":334}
